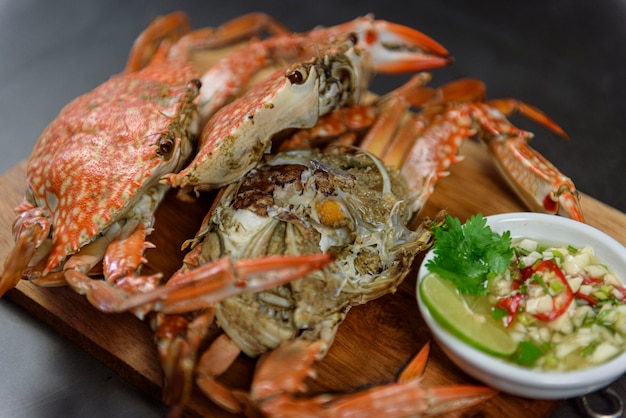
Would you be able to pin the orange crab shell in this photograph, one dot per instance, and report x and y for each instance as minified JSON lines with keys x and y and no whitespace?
{"x":104,"y":148}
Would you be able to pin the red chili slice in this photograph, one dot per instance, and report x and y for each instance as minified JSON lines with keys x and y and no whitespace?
{"x":591,"y":300}
{"x":527,"y":272}
{"x":511,"y":305}
{"x":587,"y":279}
{"x":548,"y":266}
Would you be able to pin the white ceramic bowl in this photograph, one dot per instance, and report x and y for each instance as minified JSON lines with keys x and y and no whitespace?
{"x":514,"y":379}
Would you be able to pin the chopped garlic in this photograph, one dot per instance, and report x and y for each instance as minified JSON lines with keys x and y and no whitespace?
{"x":539,"y":304}
{"x":603,"y":352}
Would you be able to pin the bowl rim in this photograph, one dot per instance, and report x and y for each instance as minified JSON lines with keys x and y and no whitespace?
{"x":504,"y":370}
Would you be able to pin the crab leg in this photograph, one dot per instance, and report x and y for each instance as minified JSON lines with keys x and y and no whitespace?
{"x":173,"y":32}
{"x":537,"y":181}
{"x":178,"y":339}
{"x":216,"y":281}
{"x":424,"y":145}
{"x":30,"y":229}
{"x":162,"y":30}
{"x":396,"y":400}
{"x":423,"y":152}
{"x":281,"y":373}
{"x":211,"y":283}
{"x":539,"y":184}
{"x":220,"y":355}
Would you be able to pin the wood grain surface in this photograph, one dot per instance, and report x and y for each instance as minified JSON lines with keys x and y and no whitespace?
{"x":385,"y":332}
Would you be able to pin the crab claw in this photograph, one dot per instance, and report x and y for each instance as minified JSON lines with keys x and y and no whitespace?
{"x":535,"y":179}
{"x":398,"y":49}
{"x":542,"y":186}
{"x":394,"y":48}
{"x":569,"y":203}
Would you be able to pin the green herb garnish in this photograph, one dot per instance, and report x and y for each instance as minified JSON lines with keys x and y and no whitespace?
{"x":470,"y":255}
{"x":498,"y":313}
{"x":527,"y":354}
{"x":589,"y":349}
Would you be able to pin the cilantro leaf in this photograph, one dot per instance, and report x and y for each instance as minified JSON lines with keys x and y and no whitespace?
{"x":471,"y":254}
{"x":527,"y":354}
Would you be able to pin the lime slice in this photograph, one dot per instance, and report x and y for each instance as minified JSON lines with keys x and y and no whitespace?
{"x":450,"y":309}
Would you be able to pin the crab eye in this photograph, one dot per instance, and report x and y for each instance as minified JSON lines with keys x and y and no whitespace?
{"x":353,"y":37}
{"x":195,"y":84}
{"x":296,"y":77}
{"x":166,"y":146}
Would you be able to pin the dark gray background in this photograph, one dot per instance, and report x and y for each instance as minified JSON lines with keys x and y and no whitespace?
{"x":566,"y":58}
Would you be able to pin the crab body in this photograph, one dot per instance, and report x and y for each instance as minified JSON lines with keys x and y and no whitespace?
{"x":304,"y":202}
{"x":99,"y":162}
{"x":343,"y":201}
{"x":240,"y":133}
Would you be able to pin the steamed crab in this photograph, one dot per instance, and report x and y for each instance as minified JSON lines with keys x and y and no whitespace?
{"x":155,"y":111}
{"x":346,"y":201}
{"x":100,"y":169}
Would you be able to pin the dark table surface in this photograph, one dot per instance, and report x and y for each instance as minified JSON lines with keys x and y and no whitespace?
{"x":566,"y":58}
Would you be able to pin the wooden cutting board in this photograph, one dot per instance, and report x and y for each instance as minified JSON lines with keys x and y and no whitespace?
{"x":385,"y":332}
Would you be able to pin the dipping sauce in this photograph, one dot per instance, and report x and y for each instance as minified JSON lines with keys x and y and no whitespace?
{"x":564,"y":307}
